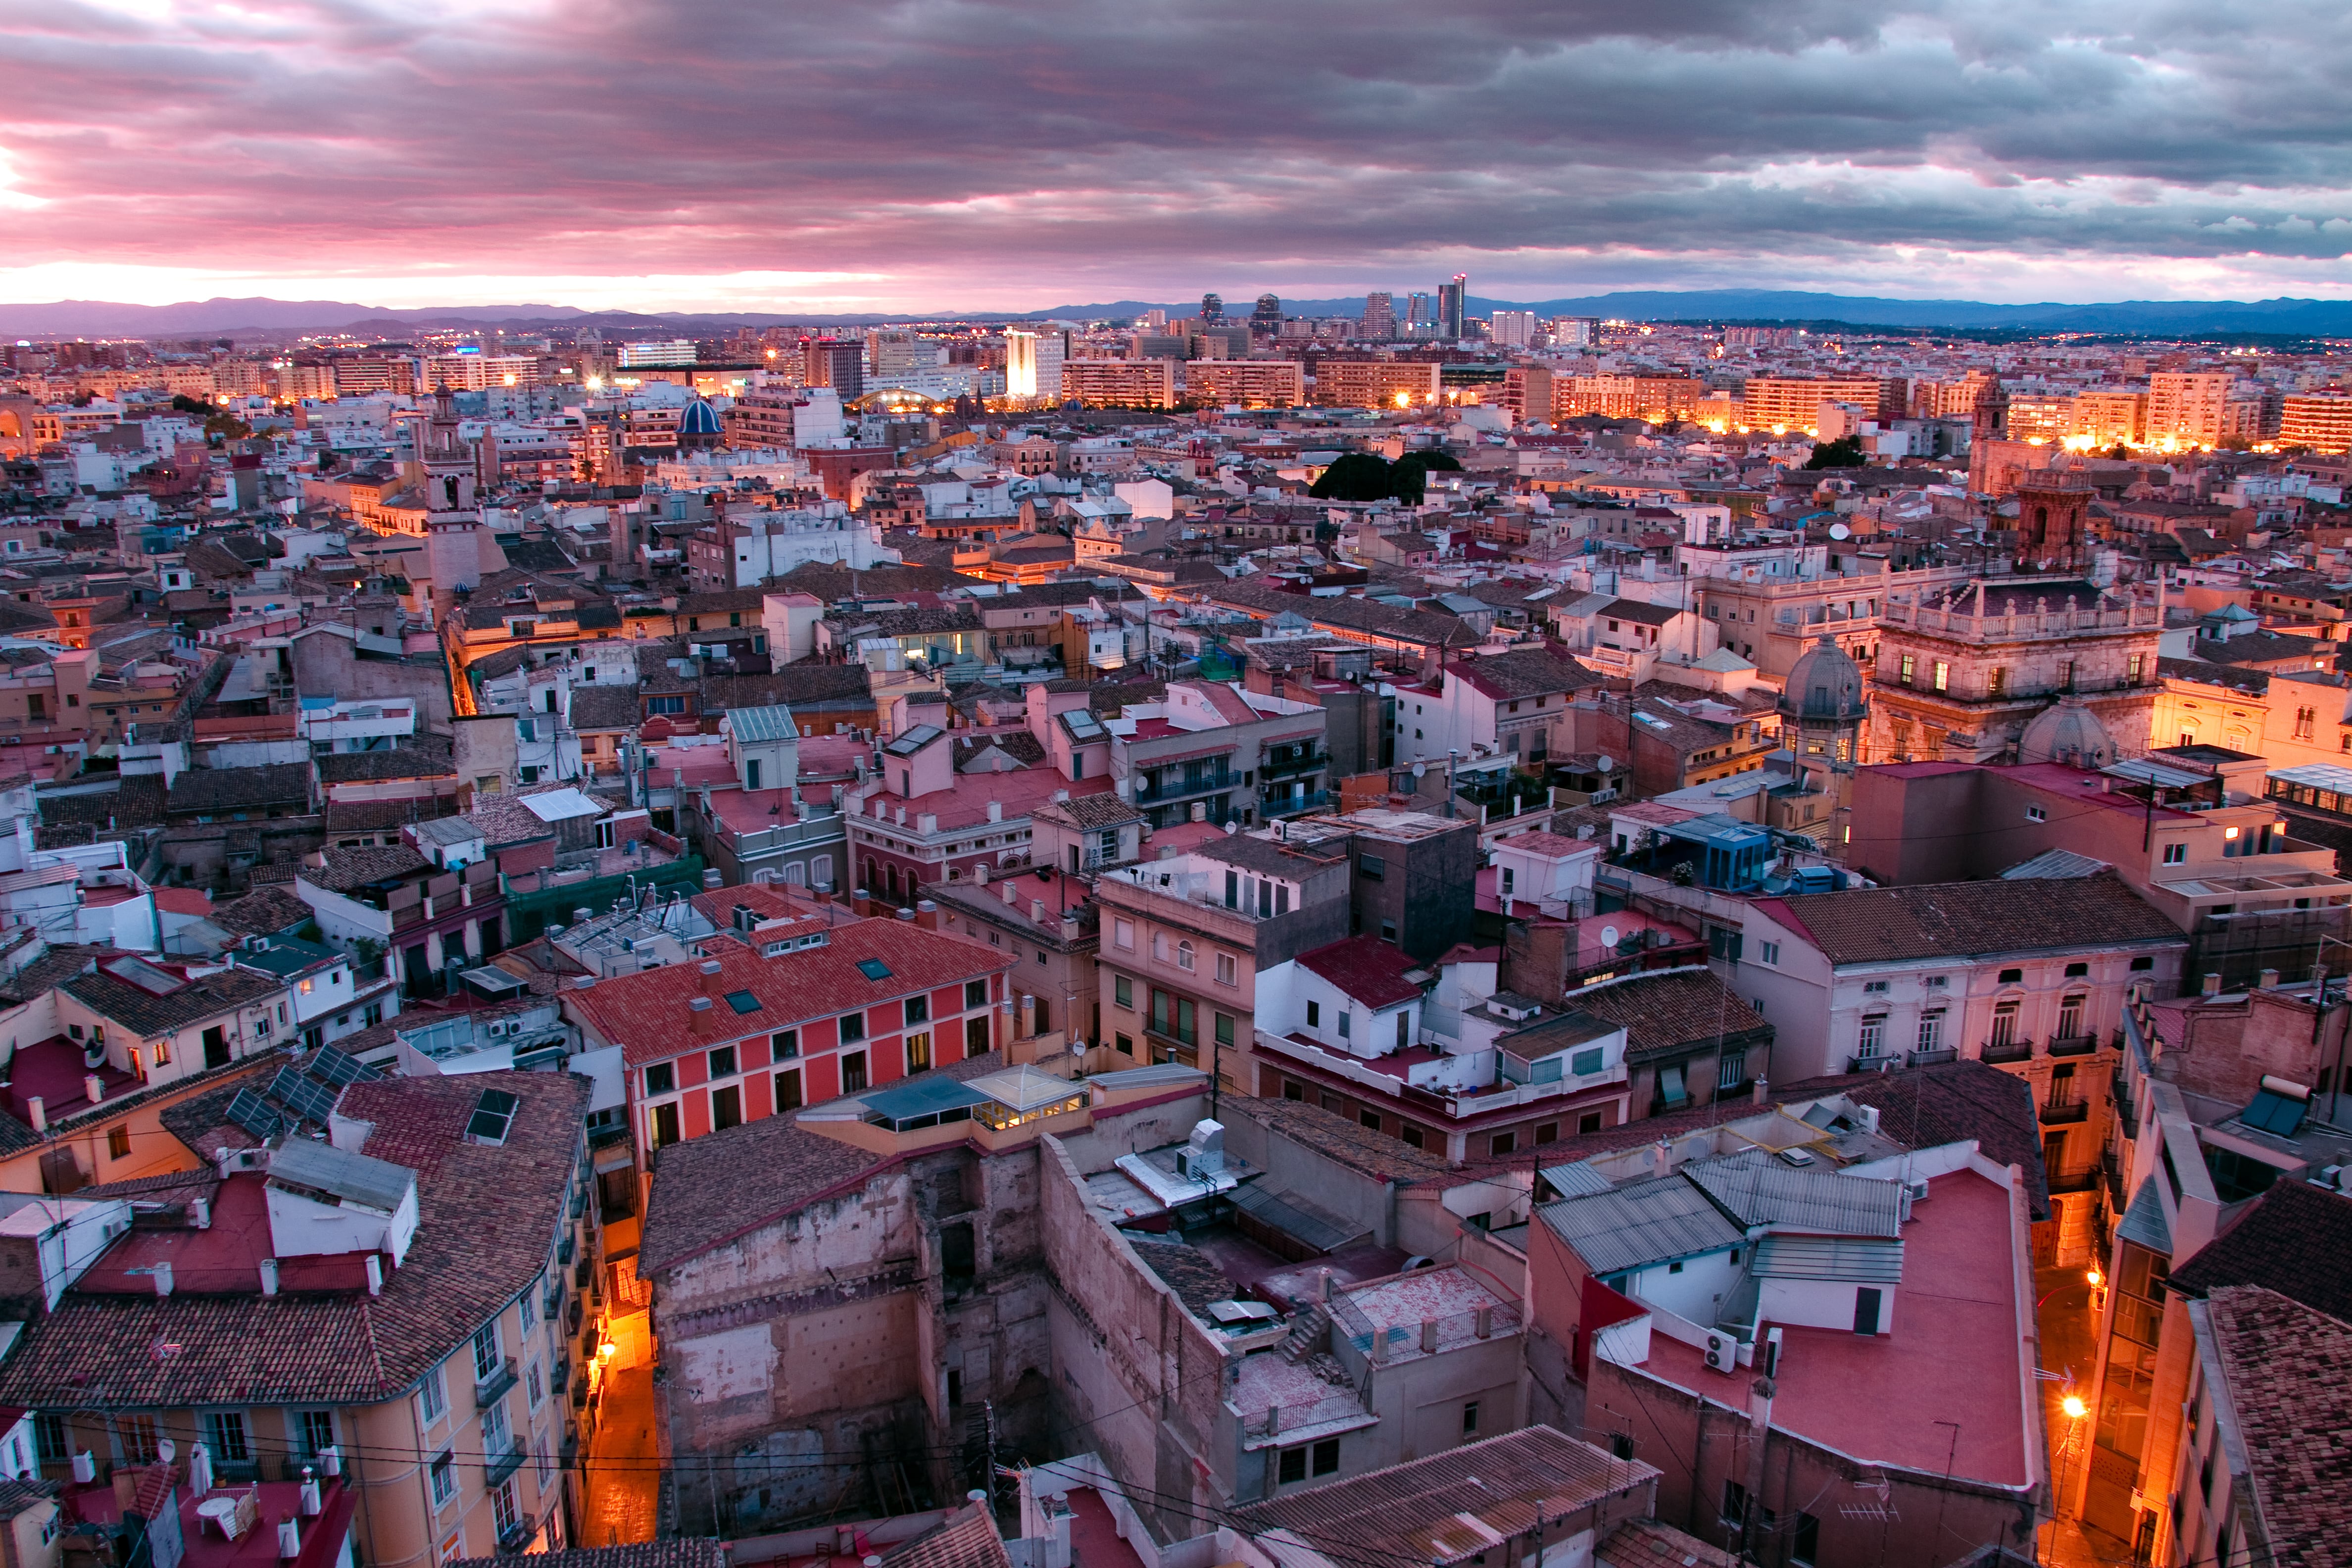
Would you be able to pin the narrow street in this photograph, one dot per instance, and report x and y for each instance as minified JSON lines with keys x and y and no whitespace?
{"x":2069,"y":1342}
{"x":624,"y":1480}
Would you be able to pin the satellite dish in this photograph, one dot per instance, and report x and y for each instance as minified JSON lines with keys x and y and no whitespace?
{"x":1609,"y":936}
{"x":1840,"y":530}
{"x":1419,"y":769}
{"x":1605,"y":763}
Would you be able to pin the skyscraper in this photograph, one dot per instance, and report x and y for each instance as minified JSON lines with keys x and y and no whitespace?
{"x":1417,"y":318}
{"x":829,"y":362}
{"x":1514,"y":329}
{"x":1213,"y":309}
{"x":1451,"y":298}
{"x":1265,"y":321}
{"x":1033,"y":361}
{"x":1380,"y":316}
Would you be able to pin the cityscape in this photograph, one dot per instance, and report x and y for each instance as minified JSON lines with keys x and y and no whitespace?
{"x":1603,"y":830}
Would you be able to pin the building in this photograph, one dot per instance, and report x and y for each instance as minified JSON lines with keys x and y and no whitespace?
{"x":1218,"y":753}
{"x":2187,"y":409}
{"x":1516,"y":704}
{"x":2029,"y":668}
{"x":2321,"y":421}
{"x":1827,"y":1327}
{"x":1251,"y":382}
{"x":1794,"y":403}
{"x":790,"y":1011}
{"x":1120,"y":383}
{"x":1512,"y":329}
{"x":836,"y":363}
{"x":1032,"y":363}
{"x":1378,"y":320}
{"x":407,"y":1287}
{"x":1453,"y":302}
{"x":1377,"y":383}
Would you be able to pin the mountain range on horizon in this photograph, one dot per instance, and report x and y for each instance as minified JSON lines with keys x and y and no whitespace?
{"x":2282,"y":317}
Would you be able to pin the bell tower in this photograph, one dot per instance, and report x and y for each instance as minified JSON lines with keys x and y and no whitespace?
{"x":2053,"y":519}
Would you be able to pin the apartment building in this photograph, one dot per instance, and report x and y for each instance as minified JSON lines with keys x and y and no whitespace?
{"x":1377,"y":383}
{"x":1516,"y":704}
{"x":1120,"y":383}
{"x":1216,"y":752}
{"x":1794,"y":403}
{"x":2187,"y":409}
{"x":2321,"y":421}
{"x":412,"y":1287}
{"x":1251,"y":382}
{"x":924,"y":820}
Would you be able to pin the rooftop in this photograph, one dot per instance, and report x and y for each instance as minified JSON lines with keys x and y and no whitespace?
{"x":1958,"y":920}
{"x":2290,"y":1378}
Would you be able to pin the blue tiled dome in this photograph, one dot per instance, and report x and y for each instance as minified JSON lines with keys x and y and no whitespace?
{"x":699,"y":419}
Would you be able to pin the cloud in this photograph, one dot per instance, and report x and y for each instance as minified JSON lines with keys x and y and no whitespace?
{"x":955,"y":152}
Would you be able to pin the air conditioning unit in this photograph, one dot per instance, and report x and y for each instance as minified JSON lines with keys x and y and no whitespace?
{"x":1722,"y":1352}
{"x":1918,"y":1187}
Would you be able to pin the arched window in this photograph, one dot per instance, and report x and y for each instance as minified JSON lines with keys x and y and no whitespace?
{"x":1183,"y":956}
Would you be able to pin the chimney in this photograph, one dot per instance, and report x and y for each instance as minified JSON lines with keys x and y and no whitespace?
{"x":1037,"y":911}
{"x":1379,"y":1345}
{"x":39,"y":1112}
{"x":1482,"y":1321}
{"x":290,"y":1539}
{"x":375,"y":1273}
{"x":995,"y":810}
{"x":1323,"y":1286}
{"x":2270,"y":980}
{"x":2211,"y":987}
{"x":979,"y":872}
{"x":310,"y":1492}
{"x":1662,"y":1157}
{"x":1762,"y":1089}
{"x":269,"y":1276}
{"x":926,"y":914}
{"x":200,"y":1211}
{"x":711,"y":969}
{"x":1429,"y":1336}
{"x":162,"y":1273}
{"x":906,"y":914}
{"x":1012,"y":896}
{"x":703,"y":1021}
{"x":92,"y":1086}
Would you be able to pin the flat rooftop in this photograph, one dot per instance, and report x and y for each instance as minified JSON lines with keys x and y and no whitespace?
{"x":1956,"y":1352}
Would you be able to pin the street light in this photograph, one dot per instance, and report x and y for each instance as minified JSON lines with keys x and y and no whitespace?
{"x":2073,"y":1407}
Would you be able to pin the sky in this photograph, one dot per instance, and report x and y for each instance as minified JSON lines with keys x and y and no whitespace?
{"x":944,"y":154}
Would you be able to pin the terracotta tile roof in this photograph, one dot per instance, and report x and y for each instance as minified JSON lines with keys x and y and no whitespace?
{"x":487,"y":1219}
{"x":16,"y":1496}
{"x":1338,"y":1138}
{"x":638,"y":1554}
{"x":209,"y":790}
{"x":1669,"y":1011}
{"x":709,"y":1190}
{"x":1088,"y":812}
{"x":650,"y":1013}
{"x":2290,"y":1376}
{"x":61,"y":962}
{"x":1962,"y":920}
{"x":2295,"y":1239}
{"x":265,"y":911}
{"x":1365,"y":968}
{"x":423,"y":757}
{"x":1413,"y":1511}
{"x":147,"y":1015}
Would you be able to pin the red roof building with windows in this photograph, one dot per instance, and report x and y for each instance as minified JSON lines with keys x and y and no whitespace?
{"x":794,"y":1010}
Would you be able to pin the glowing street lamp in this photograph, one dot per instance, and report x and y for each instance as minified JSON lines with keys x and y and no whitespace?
{"x":2073,"y":1407}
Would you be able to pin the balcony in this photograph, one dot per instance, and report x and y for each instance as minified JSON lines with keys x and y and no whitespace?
{"x":2000,"y":1051}
{"x":487,"y":1391}
{"x":2073,"y":1045}
{"x":1931,"y":1057}
{"x":2070,"y":1111}
{"x":500,"y":1463}
{"x":1283,"y":767}
{"x":1291,"y":804}
{"x":1185,"y":787}
{"x":1869,"y":1064}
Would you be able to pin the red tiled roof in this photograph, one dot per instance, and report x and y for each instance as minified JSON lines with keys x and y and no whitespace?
{"x":1961,"y":919}
{"x":1366,"y":969}
{"x":650,"y":1015}
{"x":2290,"y":1376}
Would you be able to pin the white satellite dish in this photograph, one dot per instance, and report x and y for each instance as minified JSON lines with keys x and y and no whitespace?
{"x":1840,"y":530}
{"x":1605,"y":763}
{"x":1609,"y":936}
{"x":1419,"y":769}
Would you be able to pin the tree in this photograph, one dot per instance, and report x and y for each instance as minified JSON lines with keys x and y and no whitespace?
{"x":1359,"y":475}
{"x":183,"y":403}
{"x":1845,"y":452}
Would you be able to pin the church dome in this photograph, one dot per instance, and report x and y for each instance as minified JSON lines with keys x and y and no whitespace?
{"x":699,"y":426}
{"x":2069,"y":733}
{"x":1824,"y":684}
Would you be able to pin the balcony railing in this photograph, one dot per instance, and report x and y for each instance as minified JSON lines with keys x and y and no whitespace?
{"x":1931,"y":1057}
{"x":2073,"y":1045}
{"x":1288,"y":805}
{"x":1998,"y":1051}
{"x":1185,"y":787}
{"x":1283,"y":767}
{"x":1869,"y":1064}
{"x":499,"y":1464}
{"x":489,"y":1390}
{"x":2073,"y":1111}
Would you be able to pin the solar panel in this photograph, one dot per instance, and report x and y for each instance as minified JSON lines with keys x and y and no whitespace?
{"x":873,"y":969}
{"x":249,"y":1111}
{"x":304,"y":1098}
{"x":339,"y":1068}
{"x":492,"y":1114}
{"x":2274,"y":1113}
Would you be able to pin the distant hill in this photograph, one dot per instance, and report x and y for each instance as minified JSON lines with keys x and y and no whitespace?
{"x":2299,"y":317}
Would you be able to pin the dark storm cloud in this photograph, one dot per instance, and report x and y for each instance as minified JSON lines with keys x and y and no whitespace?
{"x":1075,"y":139}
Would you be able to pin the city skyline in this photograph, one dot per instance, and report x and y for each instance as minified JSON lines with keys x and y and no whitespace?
{"x":998,"y":159}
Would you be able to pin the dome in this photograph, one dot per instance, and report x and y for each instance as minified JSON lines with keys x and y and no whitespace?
{"x":1824,"y":684}
{"x":699,"y":426}
{"x":2069,"y":733}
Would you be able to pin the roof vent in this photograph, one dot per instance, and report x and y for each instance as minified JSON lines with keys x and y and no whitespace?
{"x":493,"y":1116}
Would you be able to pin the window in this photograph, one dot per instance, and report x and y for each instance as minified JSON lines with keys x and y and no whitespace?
{"x":1874,"y":987}
{"x":1347,"y":1022}
{"x":2176,"y":853}
{"x":503,"y":1508}
{"x":1805,"y":1547}
{"x":1122,"y":991}
{"x":2070,"y":1017}
{"x":1184,"y":956}
{"x":853,"y":1027}
{"x":225,"y":1431}
{"x":1872,"y":1040}
{"x":661,"y":1078}
{"x":727,"y":1108}
{"x":1411,"y":1135}
{"x":535,"y":1385}
{"x":1931,"y":1028}
{"x":1587,"y":1122}
{"x":2141,"y":965}
{"x":1770,"y":952}
{"x":1372,"y":867}
{"x":1327,"y":1457}
{"x":1733,"y":1071}
{"x":1228,"y":970}
{"x":1224,"y":1027}
{"x":665,"y":1127}
{"x":722,"y":1062}
{"x":1371,"y":1118}
{"x":1123,"y":1045}
{"x":117,"y":1141}
{"x":1503,"y":1143}
{"x":1910,"y":669}
{"x":432,"y":1396}
{"x":2035,"y":814}
{"x":1943,"y":676}
{"x":918,"y":1010}
{"x":1314,"y":1014}
{"x":785,"y":1044}
{"x":1470,"y":1419}
{"x":528,"y":1313}
{"x":918,"y":1050}
{"x":788,"y":1089}
{"x":485,"y":1352}
{"x":444,"y":1470}
{"x":2139,"y":664}
{"x":2004,"y":1025}
{"x":1122,"y":934}
{"x":852,"y":1072}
